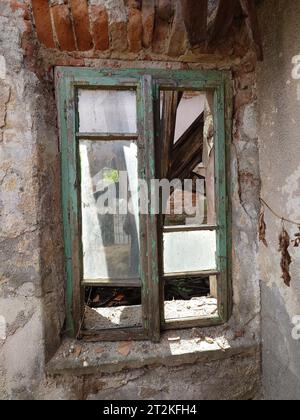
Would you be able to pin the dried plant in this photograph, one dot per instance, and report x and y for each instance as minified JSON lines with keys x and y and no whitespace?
{"x":262,"y":227}
{"x":286,"y":260}
{"x":296,"y":242}
{"x":284,"y":239}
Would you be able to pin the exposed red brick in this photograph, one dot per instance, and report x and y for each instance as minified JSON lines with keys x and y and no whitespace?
{"x":243,"y":70}
{"x":100,"y":28}
{"x":165,"y":9}
{"x":118,"y":32}
{"x":161,"y":35}
{"x":244,"y":77}
{"x":243,"y":98}
{"x":135,"y":30}
{"x":42,"y":18}
{"x":81,"y":21}
{"x":135,"y":4}
{"x":63,"y":27}
{"x":148,"y":17}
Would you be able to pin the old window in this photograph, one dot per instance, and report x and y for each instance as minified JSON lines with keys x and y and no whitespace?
{"x":145,"y":201}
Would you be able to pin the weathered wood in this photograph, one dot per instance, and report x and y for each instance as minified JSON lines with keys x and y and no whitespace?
{"x":223,"y":20}
{"x":195,"y":19}
{"x":168,"y":124}
{"x":143,"y":175}
{"x":88,"y":78}
{"x":222,"y":200}
{"x":151,"y":274}
{"x":248,"y":7}
{"x":225,"y":286}
{"x":192,"y":323}
{"x":193,"y":274}
{"x":114,"y":334}
{"x":70,"y":206}
{"x":112,"y":282}
{"x":147,"y":89}
{"x":160,"y":217}
{"x":187,"y":152}
{"x":189,"y":228}
{"x":106,"y":136}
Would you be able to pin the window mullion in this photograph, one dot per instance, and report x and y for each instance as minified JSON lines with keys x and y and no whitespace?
{"x":221,"y":199}
{"x":67,"y":122}
{"x":150,"y":276}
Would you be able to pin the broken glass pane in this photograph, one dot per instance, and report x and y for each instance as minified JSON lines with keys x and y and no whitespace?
{"x":112,"y":307}
{"x":190,"y":298}
{"x":186,"y":153}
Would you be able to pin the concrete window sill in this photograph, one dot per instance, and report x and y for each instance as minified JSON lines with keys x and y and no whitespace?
{"x":176,"y":348}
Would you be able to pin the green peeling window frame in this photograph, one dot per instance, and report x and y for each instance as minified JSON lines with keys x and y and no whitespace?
{"x":142,"y":132}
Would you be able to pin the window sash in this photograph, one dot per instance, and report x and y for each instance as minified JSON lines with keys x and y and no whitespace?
{"x":148,"y":84}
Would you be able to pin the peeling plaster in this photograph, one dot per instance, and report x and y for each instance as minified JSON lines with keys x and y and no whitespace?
{"x":2,"y":67}
{"x":250,"y":121}
{"x":279,"y":127}
{"x":292,"y":192}
{"x":5,"y":94}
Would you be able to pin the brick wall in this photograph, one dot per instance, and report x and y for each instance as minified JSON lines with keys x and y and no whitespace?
{"x":119,"y":29}
{"x":79,"y":25}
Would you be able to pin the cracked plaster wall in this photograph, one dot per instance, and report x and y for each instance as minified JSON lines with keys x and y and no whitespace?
{"x":31,"y":260}
{"x":279,"y":135}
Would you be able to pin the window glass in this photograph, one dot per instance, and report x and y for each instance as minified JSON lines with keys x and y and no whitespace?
{"x":189,"y":251}
{"x":109,"y":208}
{"x":107,"y":111}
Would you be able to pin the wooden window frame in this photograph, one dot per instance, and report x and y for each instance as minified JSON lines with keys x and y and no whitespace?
{"x":147,"y":84}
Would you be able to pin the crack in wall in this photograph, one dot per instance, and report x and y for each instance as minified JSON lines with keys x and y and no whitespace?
{"x":5,"y":96}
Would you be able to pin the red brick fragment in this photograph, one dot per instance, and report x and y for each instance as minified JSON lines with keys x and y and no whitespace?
{"x":100,"y":29}
{"x":63,"y":27}
{"x":148,"y":15}
{"x":135,"y":30}
{"x":42,"y":19}
{"x":81,"y":21}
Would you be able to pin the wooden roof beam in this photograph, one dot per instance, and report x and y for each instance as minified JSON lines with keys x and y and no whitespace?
{"x":249,"y":9}
{"x":195,"y":19}
{"x":187,"y":152}
{"x":223,"y":19}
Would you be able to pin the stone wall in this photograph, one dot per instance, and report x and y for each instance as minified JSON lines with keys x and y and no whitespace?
{"x":233,"y":376}
{"x":32,"y":277}
{"x":279,"y":128}
{"x":31,"y":257}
